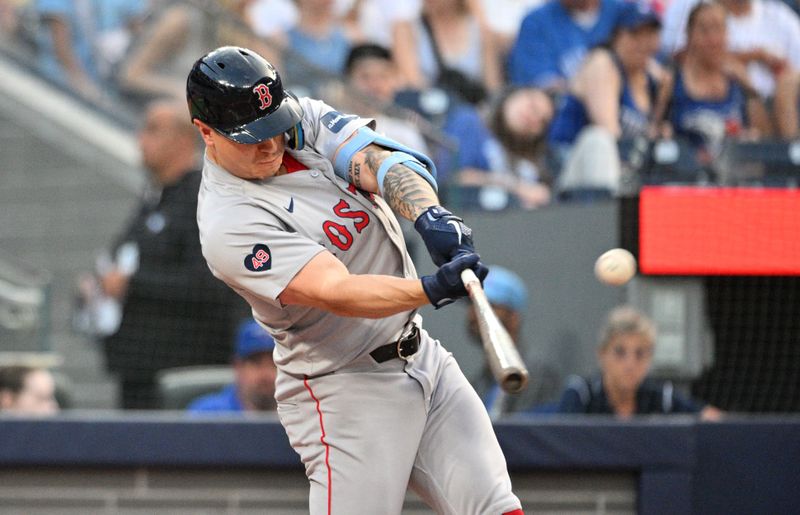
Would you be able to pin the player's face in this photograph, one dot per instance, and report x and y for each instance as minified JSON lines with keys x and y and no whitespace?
{"x":255,"y":377}
{"x":37,"y":396}
{"x":625,"y":361}
{"x":256,"y":161}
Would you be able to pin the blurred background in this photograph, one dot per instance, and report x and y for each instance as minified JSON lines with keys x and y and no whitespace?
{"x":560,"y":129}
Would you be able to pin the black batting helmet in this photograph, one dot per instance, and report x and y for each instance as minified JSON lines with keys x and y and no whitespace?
{"x":239,"y":94}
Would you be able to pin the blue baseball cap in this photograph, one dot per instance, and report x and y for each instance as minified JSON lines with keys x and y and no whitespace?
{"x":636,"y":14}
{"x":504,"y":287}
{"x":252,"y":339}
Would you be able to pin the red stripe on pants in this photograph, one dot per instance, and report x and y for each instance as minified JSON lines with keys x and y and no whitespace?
{"x":515,"y":512}
{"x":322,"y":439}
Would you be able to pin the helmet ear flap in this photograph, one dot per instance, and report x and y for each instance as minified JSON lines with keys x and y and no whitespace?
{"x":295,"y":137}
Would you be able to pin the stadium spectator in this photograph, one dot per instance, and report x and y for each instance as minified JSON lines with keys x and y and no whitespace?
{"x":622,"y":388}
{"x":27,"y":391}
{"x":9,"y":19}
{"x":763,"y":34}
{"x":504,"y":18}
{"x":317,"y":45}
{"x":508,"y":296}
{"x":160,"y":58}
{"x":175,"y":313}
{"x":80,"y":45}
{"x":787,"y":96}
{"x":450,"y":47}
{"x":708,"y":96}
{"x":255,"y":372}
{"x":554,"y":38}
{"x":610,"y":100}
{"x":381,"y":21}
{"x":370,"y":69}
{"x":500,"y":160}
{"x":271,"y":18}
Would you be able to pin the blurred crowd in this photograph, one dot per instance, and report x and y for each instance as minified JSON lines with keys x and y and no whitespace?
{"x":521,"y":103}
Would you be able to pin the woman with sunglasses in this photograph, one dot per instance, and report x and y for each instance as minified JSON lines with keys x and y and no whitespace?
{"x":622,"y":388}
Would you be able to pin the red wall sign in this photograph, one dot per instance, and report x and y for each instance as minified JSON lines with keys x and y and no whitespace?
{"x":719,"y":231}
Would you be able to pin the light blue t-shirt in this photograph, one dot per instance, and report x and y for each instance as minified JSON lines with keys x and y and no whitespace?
{"x":328,"y":53}
{"x":88,"y":21}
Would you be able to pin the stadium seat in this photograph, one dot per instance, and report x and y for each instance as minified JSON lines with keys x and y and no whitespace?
{"x":177,"y":387}
{"x":672,"y":161}
{"x":763,"y":163}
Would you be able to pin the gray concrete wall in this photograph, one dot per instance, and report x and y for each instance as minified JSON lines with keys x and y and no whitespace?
{"x":554,"y":250}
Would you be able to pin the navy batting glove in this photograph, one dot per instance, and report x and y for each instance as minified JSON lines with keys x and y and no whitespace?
{"x":444,"y":234}
{"x":445,"y":286}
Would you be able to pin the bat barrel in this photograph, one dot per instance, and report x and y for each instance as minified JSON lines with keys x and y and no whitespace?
{"x":504,"y":360}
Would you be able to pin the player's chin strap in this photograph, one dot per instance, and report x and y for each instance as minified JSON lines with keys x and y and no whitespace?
{"x":417,"y":161}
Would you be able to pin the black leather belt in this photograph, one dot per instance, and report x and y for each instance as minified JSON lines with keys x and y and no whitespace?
{"x":403,"y":348}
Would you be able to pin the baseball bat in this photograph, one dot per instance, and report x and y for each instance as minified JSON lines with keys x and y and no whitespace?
{"x":504,"y":360}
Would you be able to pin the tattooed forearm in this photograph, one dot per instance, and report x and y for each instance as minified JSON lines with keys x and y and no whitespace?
{"x":407,"y":193}
{"x":355,"y":174}
{"x":373,"y":156}
{"x":364,"y":167}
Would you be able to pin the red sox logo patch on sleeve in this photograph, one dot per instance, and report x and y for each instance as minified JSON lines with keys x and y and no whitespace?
{"x":260,"y":260}
{"x":263,"y":95}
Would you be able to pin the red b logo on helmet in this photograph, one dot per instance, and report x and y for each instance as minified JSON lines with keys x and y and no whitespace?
{"x":263,"y":95}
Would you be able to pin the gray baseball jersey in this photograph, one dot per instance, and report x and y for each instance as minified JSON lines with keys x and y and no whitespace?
{"x":288,"y":220}
{"x":365,"y":431}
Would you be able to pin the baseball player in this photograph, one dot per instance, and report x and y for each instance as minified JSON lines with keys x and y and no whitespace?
{"x":296,"y":215}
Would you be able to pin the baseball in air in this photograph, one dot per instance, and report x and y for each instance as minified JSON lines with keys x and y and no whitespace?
{"x":615,"y":267}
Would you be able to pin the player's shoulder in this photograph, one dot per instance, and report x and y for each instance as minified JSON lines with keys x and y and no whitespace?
{"x":318,"y":112}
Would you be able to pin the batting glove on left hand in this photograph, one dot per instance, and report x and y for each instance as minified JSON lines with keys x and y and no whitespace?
{"x":444,"y":234}
{"x":445,"y":286}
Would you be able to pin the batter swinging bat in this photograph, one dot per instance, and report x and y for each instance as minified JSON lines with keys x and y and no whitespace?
{"x":504,"y":360}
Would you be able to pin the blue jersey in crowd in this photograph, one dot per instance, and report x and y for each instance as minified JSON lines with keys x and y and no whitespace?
{"x":224,"y":400}
{"x":465,"y":126}
{"x":551,"y":45}
{"x":699,"y":119}
{"x":572,"y":116}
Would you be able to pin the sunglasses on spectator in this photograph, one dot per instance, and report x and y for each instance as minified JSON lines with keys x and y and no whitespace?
{"x":639,"y":353}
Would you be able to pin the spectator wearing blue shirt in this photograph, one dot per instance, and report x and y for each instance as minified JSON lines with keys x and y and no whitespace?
{"x":319,"y":44}
{"x":554,"y":38}
{"x":500,"y":160}
{"x":508,"y":296}
{"x":609,"y":101}
{"x":622,"y":388}
{"x":708,"y":97}
{"x":255,"y":371}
